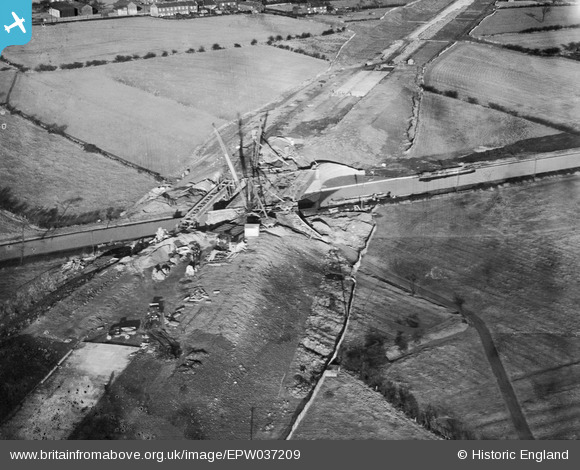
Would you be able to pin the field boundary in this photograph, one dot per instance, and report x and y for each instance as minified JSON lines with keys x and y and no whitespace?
{"x":83,"y":144}
{"x":20,"y":404}
{"x":503,"y":109}
{"x":494,"y":360}
{"x":492,"y":47}
{"x":7,"y":100}
{"x":304,"y":406}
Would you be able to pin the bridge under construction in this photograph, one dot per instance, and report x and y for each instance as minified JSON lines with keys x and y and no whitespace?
{"x":329,"y":187}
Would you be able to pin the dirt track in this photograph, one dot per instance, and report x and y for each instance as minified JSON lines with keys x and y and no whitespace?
{"x":503,"y":381}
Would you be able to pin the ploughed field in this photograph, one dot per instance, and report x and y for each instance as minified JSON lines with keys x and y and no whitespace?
{"x":104,"y":40}
{"x":542,"y":88}
{"x":148,"y":112}
{"x":506,"y":254}
{"x":512,"y":20}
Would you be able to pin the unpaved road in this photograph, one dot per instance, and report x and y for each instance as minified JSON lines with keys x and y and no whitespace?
{"x":503,"y":381}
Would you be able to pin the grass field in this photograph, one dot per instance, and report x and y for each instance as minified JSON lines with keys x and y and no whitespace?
{"x":103,"y":40}
{"x":6,"y":79}
{"x":512,"y":20}
{"x":531,"y":86}
{"x":509,"y":254}
{"x":346,"y":409}
{"x":156,"y":112}
{"x":540,"y":40}
{"x":446,"y":126}
{"x":46,"y":170}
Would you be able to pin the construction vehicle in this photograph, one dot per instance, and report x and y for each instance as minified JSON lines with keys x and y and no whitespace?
{"x":455,"y":170}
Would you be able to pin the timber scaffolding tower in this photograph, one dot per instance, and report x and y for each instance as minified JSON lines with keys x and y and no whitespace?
{"x":228,"y":189}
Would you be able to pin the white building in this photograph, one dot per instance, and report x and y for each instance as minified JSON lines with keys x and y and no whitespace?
{"x":173,"y":8}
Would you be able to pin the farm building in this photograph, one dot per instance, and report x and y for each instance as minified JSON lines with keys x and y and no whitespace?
{"x":173,"y":8}
{"x":125,"y":8}
{"x":69,"y":9}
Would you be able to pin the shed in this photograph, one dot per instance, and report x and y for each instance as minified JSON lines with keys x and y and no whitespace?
{"x":62,"y":10}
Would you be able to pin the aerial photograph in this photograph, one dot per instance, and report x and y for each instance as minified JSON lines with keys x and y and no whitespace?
{"x":315,"y":220}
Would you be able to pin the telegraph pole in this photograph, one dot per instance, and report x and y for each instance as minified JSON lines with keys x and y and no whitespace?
{"x":252,"y":423}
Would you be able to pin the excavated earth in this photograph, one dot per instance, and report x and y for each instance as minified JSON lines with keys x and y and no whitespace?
{"x":249,"y":351}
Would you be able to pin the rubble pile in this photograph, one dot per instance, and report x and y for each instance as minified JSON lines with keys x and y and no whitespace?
{"x":198,"y":294}
{"x":75,"y":264}
{"x":192,"y":360}
{"x":326,"y":320}
{"x":349,"y":230}
{"x":124,"y":330}
{"x":173,"y":319}
{"x":219,"y":256}
{"x":165,"y":252}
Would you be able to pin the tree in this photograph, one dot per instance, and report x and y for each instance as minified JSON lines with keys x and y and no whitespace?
{"x":44,"y":5}
{"x":401,"y":342}
{"x":254,"y":42}
{"x":458,"y":301}
{"x":545,"y":10}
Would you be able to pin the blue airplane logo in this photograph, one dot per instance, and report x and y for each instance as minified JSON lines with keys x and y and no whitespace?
{"x":16,"y":17}
{"x":17,"y":22}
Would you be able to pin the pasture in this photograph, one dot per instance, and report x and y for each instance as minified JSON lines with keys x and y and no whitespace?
{"x":446,"y":127}
{"x":347,"y":409}
{"x":6,"y":79}
{"x":155,"y":112}
{"x":508,"y":254}
{"x":544,"y":88}
{"x":539,"y":40}
{"x":104,"y":40}
{"x":513,"y":20}
{"x":46,"y":170}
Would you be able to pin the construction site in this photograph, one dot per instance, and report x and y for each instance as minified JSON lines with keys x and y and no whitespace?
{"x":308,"y":256}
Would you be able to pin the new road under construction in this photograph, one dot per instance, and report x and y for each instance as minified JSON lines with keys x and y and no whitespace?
{"x":324,"y":192}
